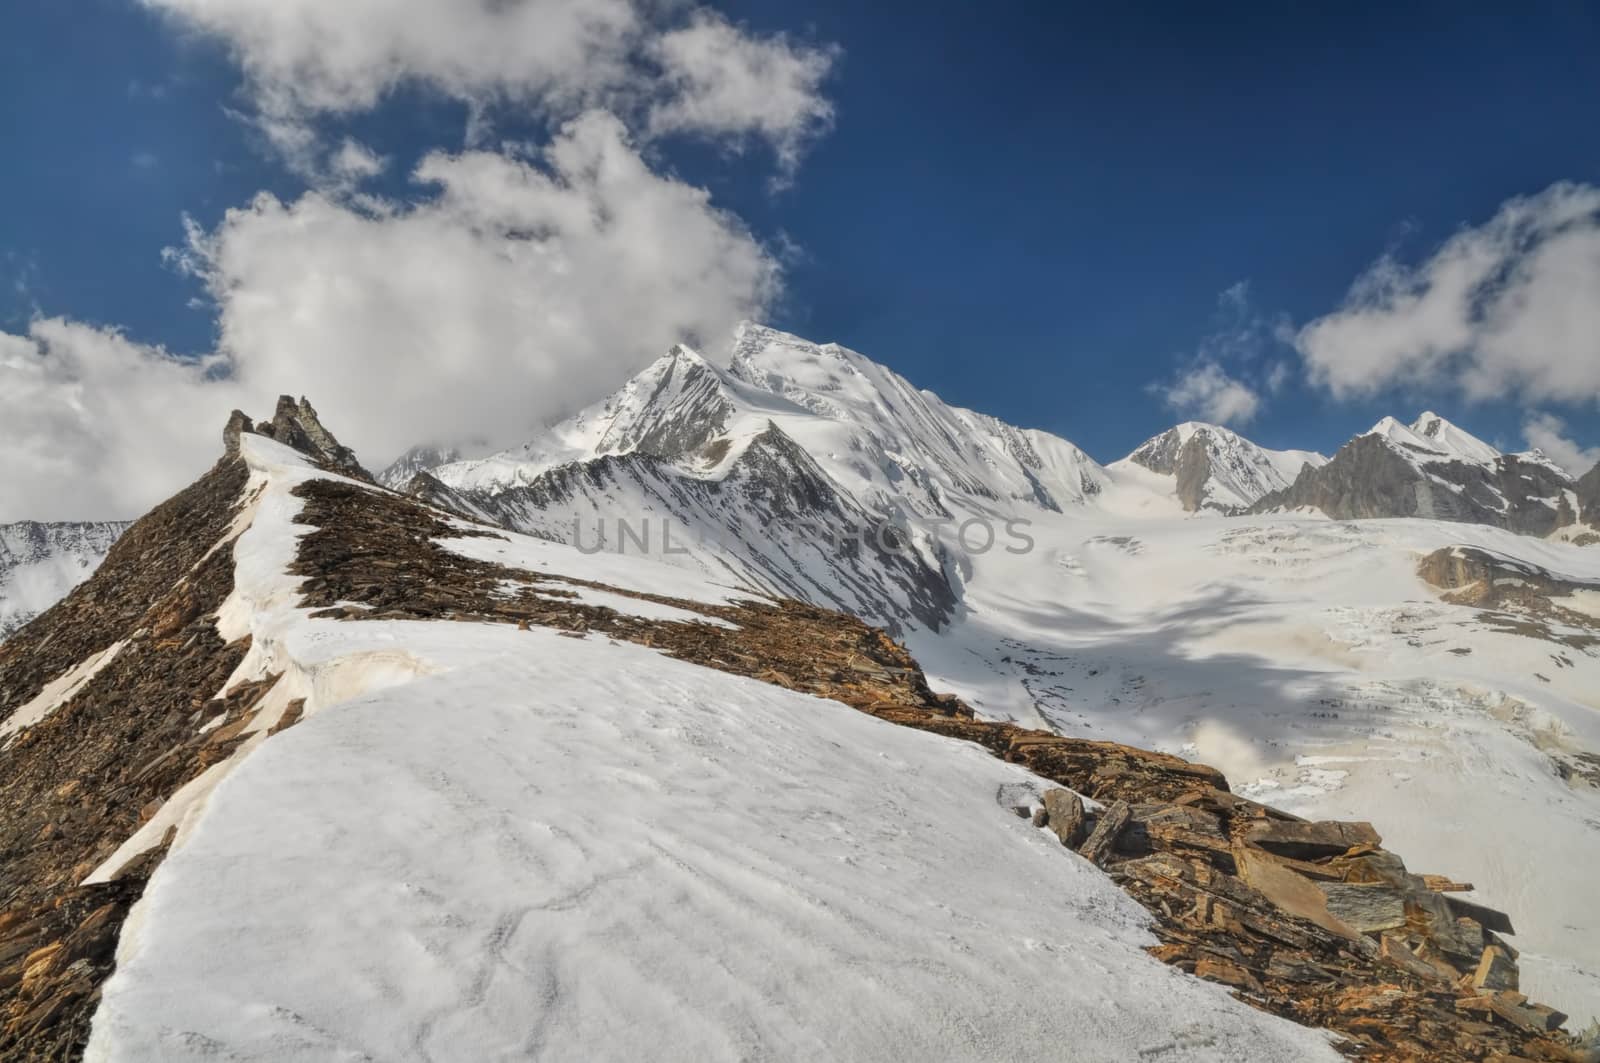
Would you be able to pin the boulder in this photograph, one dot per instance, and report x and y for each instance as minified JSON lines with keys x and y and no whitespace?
{"x":1065,"y":816}
{"x":1107,"y":830}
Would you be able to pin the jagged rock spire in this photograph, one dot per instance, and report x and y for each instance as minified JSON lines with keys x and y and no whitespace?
{"x":296,"y":424}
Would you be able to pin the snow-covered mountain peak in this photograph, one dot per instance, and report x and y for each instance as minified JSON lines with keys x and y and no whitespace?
{"x":1432,"y":438}
{"x":1453,"y":439}
{"x":1216,"y":468}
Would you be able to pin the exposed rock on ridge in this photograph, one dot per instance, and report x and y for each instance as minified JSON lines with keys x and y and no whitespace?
{"x":85,"y":765}
{"x":1373,"y":476}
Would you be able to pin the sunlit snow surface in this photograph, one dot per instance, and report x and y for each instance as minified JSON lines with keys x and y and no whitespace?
{"x":485,"y":843}
{"x":1306,"y":659}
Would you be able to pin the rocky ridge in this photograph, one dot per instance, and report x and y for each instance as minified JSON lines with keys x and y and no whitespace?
{"x":1432,"y":470}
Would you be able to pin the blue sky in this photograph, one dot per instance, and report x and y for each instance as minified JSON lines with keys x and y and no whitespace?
{"x":1049,"y":212}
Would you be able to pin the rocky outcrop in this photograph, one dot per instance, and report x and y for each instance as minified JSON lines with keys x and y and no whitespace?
{"x":296,"y":424}
{"x":1514,"y":596}
{"x":1374,"y":477}
{"x":1588,"y":495}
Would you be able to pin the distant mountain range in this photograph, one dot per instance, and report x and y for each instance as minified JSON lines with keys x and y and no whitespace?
{"x":724,"y":451}
{"x":41,"y":562}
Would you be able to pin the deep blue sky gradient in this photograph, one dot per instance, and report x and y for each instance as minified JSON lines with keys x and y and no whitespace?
{"x":1029,"y":208}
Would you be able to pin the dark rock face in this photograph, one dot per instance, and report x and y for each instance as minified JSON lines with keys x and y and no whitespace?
{"x":1161,"y":453}
{"x":414,"y":462}
{"x":295,"y":424}
{"x":1214,"y":468}
{"x":686,"y":410}
{"x":1189,"y":460}
{"x":1371,"y":477}
{"x":775,"y":521}
{"x":1588,"y":489}
{"x":1193,"y":470}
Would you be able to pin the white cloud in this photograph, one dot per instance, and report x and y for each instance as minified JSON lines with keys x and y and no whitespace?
{"x":514,"y":285}
{"x":1510,"y":308}
{"x":520,"y":288}
{"x":356,"y":162}
{"x":1206,"y":392}
{"x":1547,"y":432}
{"x":1224,"y":380}
{"x":726,"y":83}
{"x":678,"y":67}
{"x":95,"y":426}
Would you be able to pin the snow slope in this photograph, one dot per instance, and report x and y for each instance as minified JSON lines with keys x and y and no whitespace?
{"x":485,"y":843}
{"x":1306,"y":659}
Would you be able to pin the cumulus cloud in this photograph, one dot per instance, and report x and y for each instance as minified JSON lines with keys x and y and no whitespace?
{"x":1206,"y":392}
{"x":678,"y":67}
{"x":1547,"y":432}
{"x":511,"y":286}
{"x":95,"y":426}
{"x":1228,"y":374}
{"x":726,"y":83}
{"x":523,"y":285}
{"x":1509,"y":308}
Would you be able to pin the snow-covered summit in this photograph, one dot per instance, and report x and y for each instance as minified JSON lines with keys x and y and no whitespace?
{"x":803,"y":469}
{"x":889,"y":444}
{"x":1432,"y":438}
{"x":1216,"y":468}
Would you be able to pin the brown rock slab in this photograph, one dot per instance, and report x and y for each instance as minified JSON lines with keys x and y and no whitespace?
{"x":1286,"y":889}
{"x":1309,"y":841}
{"x":1366,"y":907}
{"x":1066,"y":816}
{"x":1106,"y":831}
{"x":1496,"y":970}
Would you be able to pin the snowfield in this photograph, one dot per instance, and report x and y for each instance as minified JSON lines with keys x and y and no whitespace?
{"x":1307,"y":660}
{"x":566,"y":849}
{"x":484,"y":843}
